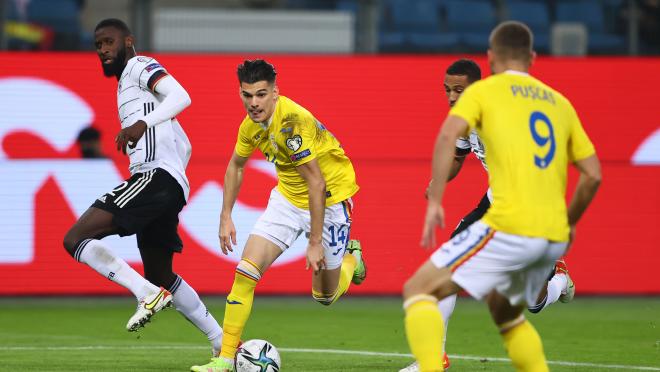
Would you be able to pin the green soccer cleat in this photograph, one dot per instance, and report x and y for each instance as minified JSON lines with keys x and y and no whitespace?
{"x":353,"y":247}
{"x":219,"y":364}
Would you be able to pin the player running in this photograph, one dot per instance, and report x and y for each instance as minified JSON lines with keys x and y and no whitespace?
{"x":531,"y":132}
{"x":458,"y":77}
{"x":148,"y":203}
{"x":316,"y":181}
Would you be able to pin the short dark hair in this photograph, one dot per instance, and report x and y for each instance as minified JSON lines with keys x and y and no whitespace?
{"x":251,"y":71}
{"x":465,"y":67}
{"x":512,"y":40}
{"x":89,"y":134}
{"x":113,"y":22}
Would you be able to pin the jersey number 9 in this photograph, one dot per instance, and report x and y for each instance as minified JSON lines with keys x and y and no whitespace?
{"x":542,"y":162}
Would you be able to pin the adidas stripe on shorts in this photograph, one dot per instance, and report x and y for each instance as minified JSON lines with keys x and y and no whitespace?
{"x":148,"y":205}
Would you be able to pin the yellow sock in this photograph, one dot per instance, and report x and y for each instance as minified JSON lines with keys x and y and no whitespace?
{"x":347,"y":269}
{"x":345,"y":276}
{"x":424,"y":329}
{"x":239,"y":306}
{"x":525,"y":349}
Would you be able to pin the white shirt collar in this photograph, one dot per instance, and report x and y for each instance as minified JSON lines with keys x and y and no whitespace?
{"x":514,"y":72}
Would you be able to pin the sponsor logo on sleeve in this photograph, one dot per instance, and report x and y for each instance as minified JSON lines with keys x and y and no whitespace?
{"x":152,"y":67}
{"x":301,"y":155}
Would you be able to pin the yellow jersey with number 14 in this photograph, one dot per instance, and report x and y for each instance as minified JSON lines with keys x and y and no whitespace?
{"x":294,"y":137}
{"x":530,"y":133}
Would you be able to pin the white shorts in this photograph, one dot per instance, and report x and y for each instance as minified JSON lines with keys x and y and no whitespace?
{"x":282,"y":223}
{"x":482,"y":259}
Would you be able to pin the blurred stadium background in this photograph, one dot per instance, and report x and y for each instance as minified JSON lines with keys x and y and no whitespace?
{"x":372,"y":72}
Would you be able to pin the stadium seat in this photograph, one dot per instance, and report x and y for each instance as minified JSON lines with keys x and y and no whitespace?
{"x":310,"y":4}
{"x":537,"y":16}
{"x":473,"y":20}
{"x":416,"y":24}
{"x":60,"y":15}
{"x":591,"y":13}
{"x":348,"y":5}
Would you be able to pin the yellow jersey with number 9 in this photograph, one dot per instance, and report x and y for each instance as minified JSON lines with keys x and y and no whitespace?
{"x":530,"y":133}
{"x":293,"y":137}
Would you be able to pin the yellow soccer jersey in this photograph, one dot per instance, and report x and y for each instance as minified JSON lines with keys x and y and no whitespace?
{"x":530,"y":134}
{"x":294,"y":137}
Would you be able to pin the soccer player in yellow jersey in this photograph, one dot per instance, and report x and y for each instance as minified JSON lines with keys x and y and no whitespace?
{"x":531,"y":133}
{"x":459,"y":75}
{"x":316,"y":181}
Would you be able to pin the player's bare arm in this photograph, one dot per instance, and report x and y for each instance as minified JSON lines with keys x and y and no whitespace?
{"x":587,"y":186}
{"x":232,"y":185}
{"x":311,"y":173}
{"x":443,"y":155}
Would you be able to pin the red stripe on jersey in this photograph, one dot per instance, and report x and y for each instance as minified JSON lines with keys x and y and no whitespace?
{"x":152,"y":84}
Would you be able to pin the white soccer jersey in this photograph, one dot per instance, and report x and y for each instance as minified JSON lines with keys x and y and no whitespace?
{"x":473,"y":143}
{"x":164,"y":145}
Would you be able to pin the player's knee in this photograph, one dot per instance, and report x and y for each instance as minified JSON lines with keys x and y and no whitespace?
{"x":70,"y":241}
{"x":411,"y":288}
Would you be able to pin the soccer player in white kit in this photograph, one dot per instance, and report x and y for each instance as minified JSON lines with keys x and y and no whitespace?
{"x":148,"y":203}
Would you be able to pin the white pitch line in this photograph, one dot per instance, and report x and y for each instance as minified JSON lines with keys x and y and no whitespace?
{"x":316,"y":351}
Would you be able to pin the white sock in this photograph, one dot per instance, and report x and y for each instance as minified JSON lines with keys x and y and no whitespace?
{"x":446,"y":306}
{"x":556,"y":286}
{"x":188,"y":303}
{"x":99,"y":257}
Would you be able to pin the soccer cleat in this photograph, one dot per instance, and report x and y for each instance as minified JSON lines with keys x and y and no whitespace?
{"x":353,"y":247}
{"x":219,"y":364}
{"x":569,"y":293}
{"x":415,"y":366}
{"x":147,"y":307}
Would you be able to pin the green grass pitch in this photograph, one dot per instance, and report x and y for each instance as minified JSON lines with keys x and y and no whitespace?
{"x":356,"y":334}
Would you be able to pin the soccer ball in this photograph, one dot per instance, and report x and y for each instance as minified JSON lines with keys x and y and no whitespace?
{"x":257,"y":356}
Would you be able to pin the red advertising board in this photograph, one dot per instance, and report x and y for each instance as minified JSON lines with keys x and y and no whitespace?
{"x":386,"y":111}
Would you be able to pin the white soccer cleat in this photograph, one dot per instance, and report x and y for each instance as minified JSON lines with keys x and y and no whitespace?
{"x":147,"y":307}
{"x":414,"y":367}
{"x":570,"y":290}
{"x":411,"y":368}
{"x":567,"y":294}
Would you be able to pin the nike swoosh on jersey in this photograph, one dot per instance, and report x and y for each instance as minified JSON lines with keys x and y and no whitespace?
{"x":153,"y":303}
{"x":233,"y":302}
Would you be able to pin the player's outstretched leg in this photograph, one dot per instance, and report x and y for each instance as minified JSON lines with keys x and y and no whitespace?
{"x":352,"y":270}
{"x":560,"y":287}
{"x":237,"y":312}
{"x":83,"y":244}
{"x":446,"y":307}
{"x":521,"y":341}
{"x":187,"y":302}
{"x":423,"y":321}
{"x":158,"y":269}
